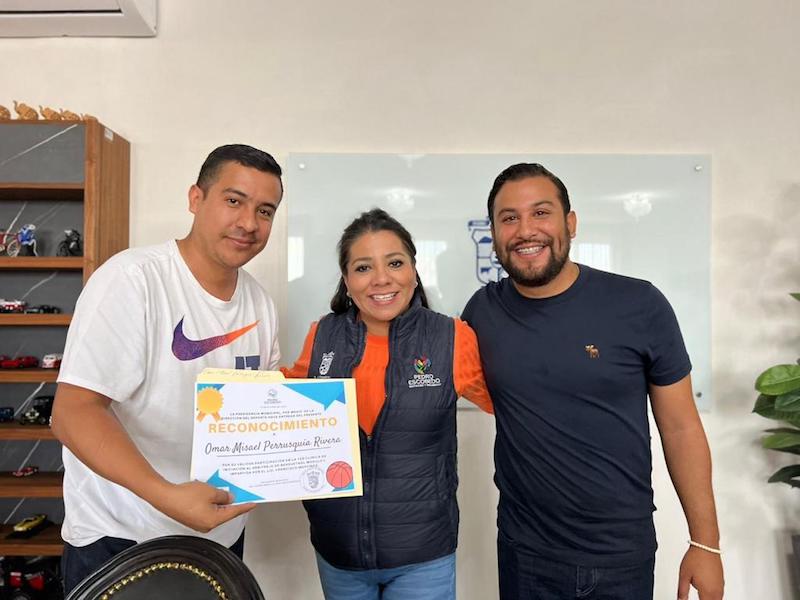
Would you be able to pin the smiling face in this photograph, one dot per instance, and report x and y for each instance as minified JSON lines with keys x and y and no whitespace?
{"x":233,"y":217}
{"x":380,"y":278}
{"x":532,"y":236}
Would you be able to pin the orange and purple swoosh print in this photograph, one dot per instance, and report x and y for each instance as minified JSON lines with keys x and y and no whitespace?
{"x":185,"y":349}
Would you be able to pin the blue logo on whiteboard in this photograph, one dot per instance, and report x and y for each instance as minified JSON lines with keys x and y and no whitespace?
{"x":487,"y":267}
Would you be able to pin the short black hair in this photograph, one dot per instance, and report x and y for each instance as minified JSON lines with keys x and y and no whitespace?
{"x":523,"y":171}
{"x":239,"y":153}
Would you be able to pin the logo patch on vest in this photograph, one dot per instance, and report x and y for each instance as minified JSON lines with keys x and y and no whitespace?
{"x":325,"y":364}
{"x":422,"y":378}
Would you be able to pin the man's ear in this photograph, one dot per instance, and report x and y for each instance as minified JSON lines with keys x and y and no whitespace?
{"x":196,"y":196}
{"x":572,"y":223}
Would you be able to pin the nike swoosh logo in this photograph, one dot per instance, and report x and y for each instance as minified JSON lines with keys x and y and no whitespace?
{"x":185,"y":349}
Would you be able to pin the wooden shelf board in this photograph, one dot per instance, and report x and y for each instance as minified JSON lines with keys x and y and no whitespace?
{"x":20,"y":319}
{"x":39,"y":263}
{"x":41,"y":191}
{"x":41,"y":485}
{"x":15,"y":431}
{"x":46,"y":543}
{"x":28,"y":375}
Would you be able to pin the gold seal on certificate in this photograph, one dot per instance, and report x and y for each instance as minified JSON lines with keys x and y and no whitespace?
{"x":264,"y":438}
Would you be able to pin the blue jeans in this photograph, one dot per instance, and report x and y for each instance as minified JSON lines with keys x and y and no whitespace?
{"x":431,"y":580}
{"x":526,"y":576}
{"x":78,"y":562}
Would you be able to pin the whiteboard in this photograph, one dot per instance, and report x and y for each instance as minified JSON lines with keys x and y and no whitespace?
{"x":646,"y":216}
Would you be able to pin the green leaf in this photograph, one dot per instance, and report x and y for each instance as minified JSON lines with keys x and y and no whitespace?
{"x":784,"y":439}
{"x":765,"y":406}
{"x":788,"y":401}
{"x":780,"y":379}
{"x":795,"y":295}
{"x":783,"y":430}
{"x":789,"y":450}
{"x":785,"y":474}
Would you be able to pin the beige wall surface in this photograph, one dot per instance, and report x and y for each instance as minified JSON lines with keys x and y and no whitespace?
{"x":621,"y":76}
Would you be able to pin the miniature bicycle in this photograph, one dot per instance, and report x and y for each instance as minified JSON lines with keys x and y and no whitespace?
{"x":9,"y":243}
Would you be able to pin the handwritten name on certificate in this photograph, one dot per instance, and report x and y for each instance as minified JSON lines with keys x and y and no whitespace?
{"x":266,"y":439}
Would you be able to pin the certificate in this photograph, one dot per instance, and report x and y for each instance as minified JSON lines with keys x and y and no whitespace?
{"x":264,"y":438}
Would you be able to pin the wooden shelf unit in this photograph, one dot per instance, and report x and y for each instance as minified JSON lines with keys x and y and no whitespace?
{"x":86,"y":163}
{"x":45,"y":543}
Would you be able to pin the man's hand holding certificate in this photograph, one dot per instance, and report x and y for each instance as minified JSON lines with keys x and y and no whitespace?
{"x":264,"y":438}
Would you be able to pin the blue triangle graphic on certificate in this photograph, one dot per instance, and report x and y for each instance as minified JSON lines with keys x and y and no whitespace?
{"x":216,"y":386}
{"x":239,"y":494}
{"x":324,"y":392}
{"x":347,"y":488}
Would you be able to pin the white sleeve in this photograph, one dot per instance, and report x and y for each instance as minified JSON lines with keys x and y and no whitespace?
{"x":274,"y":358}
{"x":106,"y":345}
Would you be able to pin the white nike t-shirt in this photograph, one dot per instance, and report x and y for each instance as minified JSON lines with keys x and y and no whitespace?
{"x":143,"y":329}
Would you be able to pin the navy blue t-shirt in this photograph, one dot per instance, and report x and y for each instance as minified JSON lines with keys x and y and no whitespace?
{"x":569,"y":377}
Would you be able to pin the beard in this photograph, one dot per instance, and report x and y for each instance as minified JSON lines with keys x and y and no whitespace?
{"x":530,"y":276}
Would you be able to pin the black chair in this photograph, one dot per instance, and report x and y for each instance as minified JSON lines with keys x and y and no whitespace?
{"x":176,"y":567}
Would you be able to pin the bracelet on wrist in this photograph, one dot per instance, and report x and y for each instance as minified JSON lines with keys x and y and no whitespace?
{"x":704,"y":547}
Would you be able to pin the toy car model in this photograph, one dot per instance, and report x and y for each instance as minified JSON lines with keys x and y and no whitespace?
{"x":6,"y":414}
{"x":20,"y":362}
{"x":34,"y":578}
{"x":30,"y":524}
{"x":26,"y":471}
{"x":42,"y":308}
{"x":11,"y":306}
{"x":51,"y":361}
{"x":39,"y":413}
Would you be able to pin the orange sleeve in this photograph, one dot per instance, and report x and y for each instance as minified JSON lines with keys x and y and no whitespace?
{"x":467,"y":370}
{"x":300,"y":368}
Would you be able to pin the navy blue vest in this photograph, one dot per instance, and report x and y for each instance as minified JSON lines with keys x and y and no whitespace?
{"x":408,"y":513}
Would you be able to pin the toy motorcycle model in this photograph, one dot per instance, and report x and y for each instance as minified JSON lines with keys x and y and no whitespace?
{"x":71,"y":244}
{"x":27,"y":241}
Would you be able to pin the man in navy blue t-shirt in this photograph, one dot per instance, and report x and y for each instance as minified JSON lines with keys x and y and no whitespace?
{"x":570,"y":356}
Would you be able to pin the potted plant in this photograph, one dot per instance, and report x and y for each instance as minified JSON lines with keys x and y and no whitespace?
{"x":779,"y":399}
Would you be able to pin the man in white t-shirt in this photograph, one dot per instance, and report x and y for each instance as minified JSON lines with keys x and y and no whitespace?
{"x":148,"y":321}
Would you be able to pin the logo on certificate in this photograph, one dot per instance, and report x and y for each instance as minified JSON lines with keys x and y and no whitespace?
{"x":312,"y":479}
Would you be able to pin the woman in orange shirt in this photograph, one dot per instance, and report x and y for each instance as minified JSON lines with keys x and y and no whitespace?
{"x":411,"y":365}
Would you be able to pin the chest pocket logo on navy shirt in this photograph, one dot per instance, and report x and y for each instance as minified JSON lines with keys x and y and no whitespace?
{"x":592,"y":350}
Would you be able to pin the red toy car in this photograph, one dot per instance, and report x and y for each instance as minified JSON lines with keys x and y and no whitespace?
{"x":26,"y":471}
{"x":20,"y":362}
{"x":11,"y":306}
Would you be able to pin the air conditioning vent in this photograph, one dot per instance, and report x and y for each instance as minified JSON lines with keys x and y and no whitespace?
{"x":77,"y":18}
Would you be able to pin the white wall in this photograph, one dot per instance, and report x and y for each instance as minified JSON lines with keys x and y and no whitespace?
{"x":621,"y":76}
